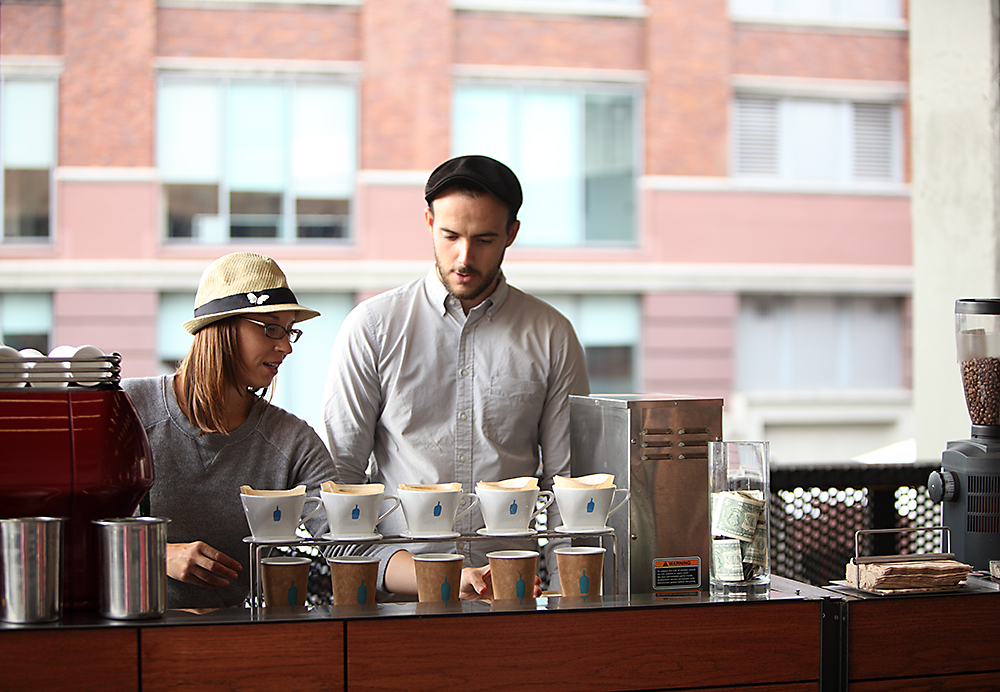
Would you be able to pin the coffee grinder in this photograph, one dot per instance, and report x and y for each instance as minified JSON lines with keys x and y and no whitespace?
{"x":968,"y":483}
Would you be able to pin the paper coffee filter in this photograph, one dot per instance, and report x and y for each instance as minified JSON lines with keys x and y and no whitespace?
{"x":521,"y":483}
{"x":594,"y":480}
{"x":349,"y":489}
{"x":435,"y":487}
{"x":297,"y":490}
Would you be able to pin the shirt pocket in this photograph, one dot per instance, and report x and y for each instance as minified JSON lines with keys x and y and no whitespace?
{"x":512,"y":410}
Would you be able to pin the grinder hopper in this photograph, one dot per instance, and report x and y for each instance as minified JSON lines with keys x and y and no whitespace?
{"x":968,"y":484}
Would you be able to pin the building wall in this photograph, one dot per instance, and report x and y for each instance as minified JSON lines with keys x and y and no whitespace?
{"x":703,"y":239}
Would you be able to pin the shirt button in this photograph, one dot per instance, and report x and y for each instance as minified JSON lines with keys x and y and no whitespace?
{"x":462,"y":416}
{"x":465,"y":373}
{"x":461,"y":457}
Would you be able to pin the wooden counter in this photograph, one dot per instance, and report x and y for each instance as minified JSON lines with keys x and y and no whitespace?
{"x":801,"y":639}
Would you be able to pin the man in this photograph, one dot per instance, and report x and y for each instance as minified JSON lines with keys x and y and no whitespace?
{"x":457,"y":376}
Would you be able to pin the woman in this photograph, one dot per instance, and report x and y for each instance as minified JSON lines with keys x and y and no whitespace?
{"x":210,"y":431}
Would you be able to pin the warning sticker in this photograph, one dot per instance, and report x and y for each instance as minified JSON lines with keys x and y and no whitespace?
{"x":671,"y":573}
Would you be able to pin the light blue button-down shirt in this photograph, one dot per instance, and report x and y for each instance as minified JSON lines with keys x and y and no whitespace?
{"x":430,"y":395}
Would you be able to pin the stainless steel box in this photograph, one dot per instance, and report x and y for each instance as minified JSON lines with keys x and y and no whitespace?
{"x":656,"y":445}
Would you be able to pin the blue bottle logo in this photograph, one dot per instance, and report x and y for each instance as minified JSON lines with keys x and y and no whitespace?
{"x":590,"y":506}
{"x":513,"y":507}
{"x":584,"y":584}
{"x":437,"y":509}
{"x":446,"y":591}
{"x":520,"y":587}
{"x":293,"y":594}
{"x":355,"y":513}
{"x":362,"y":593}
{"x":277,"y":513}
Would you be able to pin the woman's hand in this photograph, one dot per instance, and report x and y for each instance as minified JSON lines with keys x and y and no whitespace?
{"x":477,"y":584}
{"x":200,"y":564}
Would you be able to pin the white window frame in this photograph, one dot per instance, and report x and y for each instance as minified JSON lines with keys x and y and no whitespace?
{"x":287,"y":80}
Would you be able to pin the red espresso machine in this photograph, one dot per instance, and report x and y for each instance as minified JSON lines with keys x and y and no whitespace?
{"x":77,"y":451}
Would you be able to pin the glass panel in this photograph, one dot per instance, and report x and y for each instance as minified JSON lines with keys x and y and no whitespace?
{"x":752,"y":6}
{"x":610,"y":369}
{"x":256,"y":152}
{"x":323,"y":141}
{"x":254,"y":215}
{"x":189,"y":133}
{"x":807,"y":8}
{"x":761,"y":343}
{"x":550,"y":165}
{"x":26,"y":203}
{"x":609,"y":320}
{"x":875,"y":346}
{"x":28,"y":124}
{"x":814,"y":140}
{"x":192,"y":210}
{"x":26,"y":320}
{"x":609,"y":167}
{"x":323,"y":218}
{"x":172,"y":341}
{"x":26,"y":312}
{"x":484,"y":122}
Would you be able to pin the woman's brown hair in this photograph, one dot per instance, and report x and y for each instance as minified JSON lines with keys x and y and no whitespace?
{"x":206,"y":373}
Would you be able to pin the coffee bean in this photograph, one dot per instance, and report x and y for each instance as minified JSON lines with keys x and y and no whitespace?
{"x":981,"y":381}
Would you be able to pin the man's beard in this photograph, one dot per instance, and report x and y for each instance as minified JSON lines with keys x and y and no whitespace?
{"x":467,"y":292}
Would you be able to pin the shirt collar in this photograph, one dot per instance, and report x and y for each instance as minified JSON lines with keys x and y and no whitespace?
{"x":439,"y":295}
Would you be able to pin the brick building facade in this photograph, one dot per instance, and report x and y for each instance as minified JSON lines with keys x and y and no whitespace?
{"x":761,"y":252}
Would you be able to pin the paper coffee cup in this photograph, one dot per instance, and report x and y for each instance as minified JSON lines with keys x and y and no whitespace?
{"x":513,"y":573}
{"x":285,"y":580}
{"x":353,"y":579}
{"x":439,"y":577}
{"x":581,"y":569}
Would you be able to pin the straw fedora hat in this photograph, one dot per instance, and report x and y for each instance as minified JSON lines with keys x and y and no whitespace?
{"x":241,"y":283}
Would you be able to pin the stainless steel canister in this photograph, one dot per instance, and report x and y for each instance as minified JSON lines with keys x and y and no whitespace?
{"x":133,"y":567}
{"x":32,"y":555}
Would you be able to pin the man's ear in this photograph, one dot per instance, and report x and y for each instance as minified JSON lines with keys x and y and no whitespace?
{"x":429,"y":218}
{"x":512,"y":232}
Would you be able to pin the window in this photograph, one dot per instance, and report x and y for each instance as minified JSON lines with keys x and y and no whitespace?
{"x":573,"y":149}
{"x":26,"y":320}
{"x":816,"y":140}
{"x":819,"y":343}
{"x":28,"y":153}
{"x":608,"y":328}
{"x":819,"y":10}
{"x":256,"y":160}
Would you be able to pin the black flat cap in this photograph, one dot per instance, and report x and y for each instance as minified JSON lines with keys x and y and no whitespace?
{"x":488,"y":173}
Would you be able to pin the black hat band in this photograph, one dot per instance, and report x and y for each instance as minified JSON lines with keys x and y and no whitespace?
{"x":270,"y":296}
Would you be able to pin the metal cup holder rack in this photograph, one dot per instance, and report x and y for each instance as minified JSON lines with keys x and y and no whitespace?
{"x":258,"y":547}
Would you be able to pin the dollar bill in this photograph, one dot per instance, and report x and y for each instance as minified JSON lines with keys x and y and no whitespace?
{"x":727,"y":560}
{"x":735,"y":515}
{"x":755,"y":552}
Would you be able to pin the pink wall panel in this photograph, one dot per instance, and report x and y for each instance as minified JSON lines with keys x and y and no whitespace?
{"x":393,"y":221}
{"x":688,"y":341}
{"x":99,"y":220}
{"x":778,"y":228}
{"x":121,"y":322}
{"x":691,"y":336}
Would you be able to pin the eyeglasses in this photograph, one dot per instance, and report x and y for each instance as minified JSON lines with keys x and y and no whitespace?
{"x":276,"y":331}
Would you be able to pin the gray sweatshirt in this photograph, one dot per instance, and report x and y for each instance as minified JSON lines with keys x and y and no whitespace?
{"x":197,"y":478}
